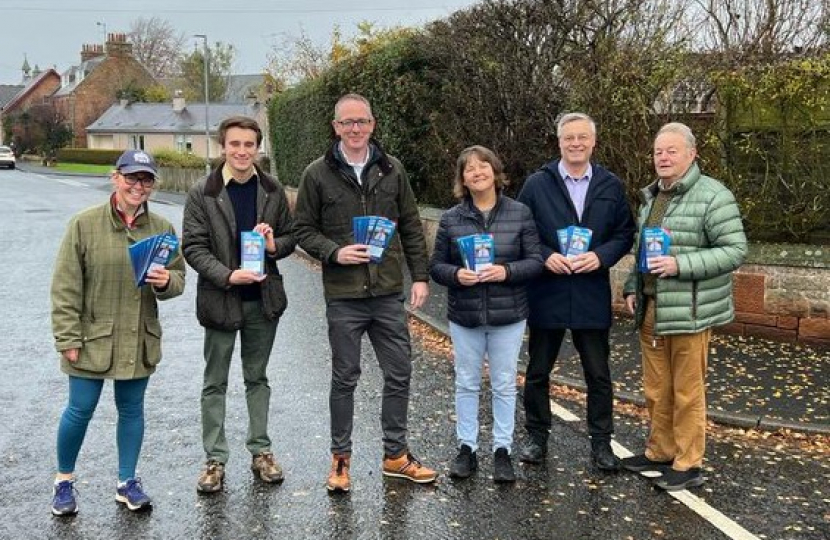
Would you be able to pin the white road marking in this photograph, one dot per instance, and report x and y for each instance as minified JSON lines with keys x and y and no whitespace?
{"x":693,"y":502}
{"x":562,"y":412}
{"x":72,"y":183}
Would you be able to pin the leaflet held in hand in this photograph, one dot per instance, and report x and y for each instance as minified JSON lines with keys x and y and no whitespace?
{"x":574,"y":240}
{"x":655,"y":242}
{"x":253,"y":252}
{"x":478,"y":251}
{"x":151,"y":253}
{"x":375,"y":232}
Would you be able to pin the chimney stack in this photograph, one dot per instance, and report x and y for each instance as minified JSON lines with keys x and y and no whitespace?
{"x":117,"y":45}
{"x":88,"y":52}
{"x":179,"y":103}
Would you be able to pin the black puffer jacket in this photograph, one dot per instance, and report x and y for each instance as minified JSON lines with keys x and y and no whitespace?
{"x":517,"y":248}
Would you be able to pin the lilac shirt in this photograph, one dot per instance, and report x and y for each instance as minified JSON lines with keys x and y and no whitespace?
{"x":577,"y":187}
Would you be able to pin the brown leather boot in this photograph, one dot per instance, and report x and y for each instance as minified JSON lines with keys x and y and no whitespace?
{"x":339,"y":479}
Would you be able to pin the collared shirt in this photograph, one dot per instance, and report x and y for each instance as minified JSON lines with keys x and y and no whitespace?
{"x":577,"y":187}
{"x":357,"y":166}
{"x":128,"y":221}
{"x":227,"y":175}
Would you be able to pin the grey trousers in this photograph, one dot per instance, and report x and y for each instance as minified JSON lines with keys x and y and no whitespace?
{"x":384,"y":320}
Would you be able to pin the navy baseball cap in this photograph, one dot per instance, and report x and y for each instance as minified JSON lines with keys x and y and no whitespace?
{"x":133,"y":161}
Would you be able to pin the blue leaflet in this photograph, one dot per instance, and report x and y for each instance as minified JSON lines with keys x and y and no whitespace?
{"x":253,"y":252}
{"x":654,"y":242}
{"x":574,"y":240}
{"x":152,"y":252}
{"x":375,"y":232}
{"x":478,"y":251}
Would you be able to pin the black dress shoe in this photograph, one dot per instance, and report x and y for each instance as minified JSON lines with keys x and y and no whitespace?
{"x":603,"y":457}
{"x":533,"y":452}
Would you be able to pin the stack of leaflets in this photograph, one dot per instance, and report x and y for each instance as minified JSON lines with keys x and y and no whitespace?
{"x":253,"y":252}
{"x":574,"y":240}
{"x":655,"y":242}
{"x":478,"y":251}
{"x":375,"y":232}
{"x":151,"y":253}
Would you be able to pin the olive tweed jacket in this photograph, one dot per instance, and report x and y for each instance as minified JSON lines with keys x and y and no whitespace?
{"x":96,"y":306}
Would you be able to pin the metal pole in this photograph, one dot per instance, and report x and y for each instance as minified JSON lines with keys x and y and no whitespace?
{"x":206,"y":69}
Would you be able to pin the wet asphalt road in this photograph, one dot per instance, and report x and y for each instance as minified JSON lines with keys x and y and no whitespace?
{"x":773,"y":493}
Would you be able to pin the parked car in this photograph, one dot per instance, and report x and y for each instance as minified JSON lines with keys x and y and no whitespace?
{"x":7,"y":157}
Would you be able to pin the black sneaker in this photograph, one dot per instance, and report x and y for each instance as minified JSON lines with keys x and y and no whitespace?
{"x":465,"y":463}
{"x":640,"y":463}
{"x":503,"y":467}
{"x":678,"y":480}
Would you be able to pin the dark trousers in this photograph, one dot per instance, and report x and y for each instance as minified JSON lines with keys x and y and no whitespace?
{"x":594,"y":350}
{"x":384,"y":320}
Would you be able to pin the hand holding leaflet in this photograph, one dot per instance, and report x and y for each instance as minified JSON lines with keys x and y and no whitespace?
{"x":655,"y":242}
{"x":150,"y":253}
{"x":574,"y":240}
{"x":375,"y":232}
{"x":477,"y":251}
{"x":253,"y":252}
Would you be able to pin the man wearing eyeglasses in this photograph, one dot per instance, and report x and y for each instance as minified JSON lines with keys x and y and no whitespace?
{"x":357,"y":178}
{"x":574,"y":292}
{"x":237,"y":197}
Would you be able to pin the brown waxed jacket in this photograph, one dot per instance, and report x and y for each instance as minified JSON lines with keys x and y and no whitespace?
{"x":330,"y":196}
{"x":209,"y":245}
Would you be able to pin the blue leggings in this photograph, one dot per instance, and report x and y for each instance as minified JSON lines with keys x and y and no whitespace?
{"x":83,"y":399}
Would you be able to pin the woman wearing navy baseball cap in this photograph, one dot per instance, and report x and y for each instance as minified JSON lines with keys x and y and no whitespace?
{"x":105,"y":328}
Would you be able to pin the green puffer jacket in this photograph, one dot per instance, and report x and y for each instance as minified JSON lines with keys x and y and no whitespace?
{"x":96,"y":306}
{"x":708,"y":241}
{"x":330,"y":196}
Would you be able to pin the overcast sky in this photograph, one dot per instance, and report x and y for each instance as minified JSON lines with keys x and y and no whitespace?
{"x":50,"y":33}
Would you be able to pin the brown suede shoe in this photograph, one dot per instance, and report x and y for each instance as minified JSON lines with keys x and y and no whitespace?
{"x":265,"y":466}
{"x":339,"y":480}
{"x":212,"y":478}
{"x":407,"y":466}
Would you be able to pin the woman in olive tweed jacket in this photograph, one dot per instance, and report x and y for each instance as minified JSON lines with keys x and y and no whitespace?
{"x":107,"y":328}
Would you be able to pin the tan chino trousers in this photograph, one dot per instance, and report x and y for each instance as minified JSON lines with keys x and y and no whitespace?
{"x":674,"y":383}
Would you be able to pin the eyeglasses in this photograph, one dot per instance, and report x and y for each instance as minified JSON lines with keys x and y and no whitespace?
{"x":147,"y":180}
{"x":359,"y":122}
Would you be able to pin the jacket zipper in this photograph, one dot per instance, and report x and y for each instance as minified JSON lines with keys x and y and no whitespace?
{"x":486,"y":229}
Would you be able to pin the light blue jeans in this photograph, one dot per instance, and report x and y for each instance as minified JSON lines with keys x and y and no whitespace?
{"x":500,"y":345}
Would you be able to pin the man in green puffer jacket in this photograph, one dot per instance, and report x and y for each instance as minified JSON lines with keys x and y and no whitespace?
{"x":678,"y":300}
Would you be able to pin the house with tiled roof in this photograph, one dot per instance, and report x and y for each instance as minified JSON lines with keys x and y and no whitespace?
{"x":104,"y":75}
{"x":37,"y":87}
{"x":178,"y":125}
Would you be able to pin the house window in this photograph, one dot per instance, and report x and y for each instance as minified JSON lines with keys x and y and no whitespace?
{"x":137,"y":142}
{"x":184,"y":144}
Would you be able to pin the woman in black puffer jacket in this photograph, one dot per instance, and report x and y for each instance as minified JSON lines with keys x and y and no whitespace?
{"x":487,"y":306}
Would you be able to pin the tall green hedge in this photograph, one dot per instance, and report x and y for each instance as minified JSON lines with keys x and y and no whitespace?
{"x":500,"y":73}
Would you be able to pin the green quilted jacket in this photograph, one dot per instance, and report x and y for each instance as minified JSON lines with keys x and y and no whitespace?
{"x":708,"y":241}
